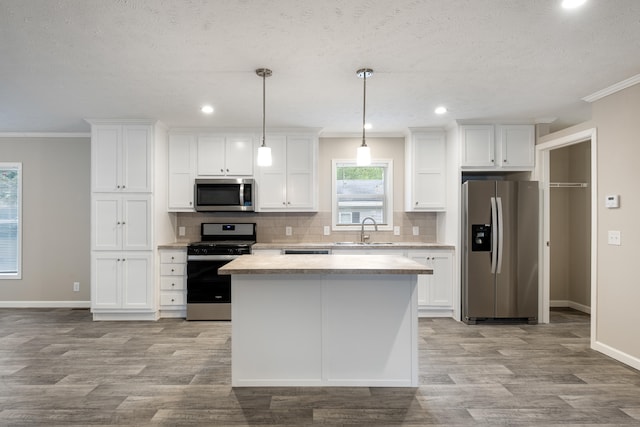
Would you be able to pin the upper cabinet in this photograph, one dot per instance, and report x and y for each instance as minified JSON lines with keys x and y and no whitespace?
{"x":183,"y":156}
{"x":290,"y":184}
{"x":425,"y":169}
{"x":121,"y":158}
{"x":499,"y":147}
{"x":220,"y":155}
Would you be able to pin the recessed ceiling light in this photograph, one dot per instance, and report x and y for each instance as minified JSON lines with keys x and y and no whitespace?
{"x":207,"y":109}
{"x":441,"y":110}
{"x":572,"y":4}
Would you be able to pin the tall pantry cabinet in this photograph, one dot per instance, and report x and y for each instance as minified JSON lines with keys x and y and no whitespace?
{"x":128,"y":177}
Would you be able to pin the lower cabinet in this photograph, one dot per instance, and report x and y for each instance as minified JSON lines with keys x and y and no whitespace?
{"x":173,"y":282}
{"x":122,"y":285}
{"x":435,"y":292}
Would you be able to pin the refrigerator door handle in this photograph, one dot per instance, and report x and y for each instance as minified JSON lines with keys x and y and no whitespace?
{"x":494,"y":235}
{"x":500,"y":234}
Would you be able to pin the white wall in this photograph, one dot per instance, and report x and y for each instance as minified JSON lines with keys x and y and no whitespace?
{"x":55,"y":228}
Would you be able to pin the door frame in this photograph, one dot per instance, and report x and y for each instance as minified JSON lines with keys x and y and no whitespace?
{"x":542,"y":174}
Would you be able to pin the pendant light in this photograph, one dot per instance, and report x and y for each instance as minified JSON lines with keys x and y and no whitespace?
{"x":264,"y":152}
{"x":363,"y":157}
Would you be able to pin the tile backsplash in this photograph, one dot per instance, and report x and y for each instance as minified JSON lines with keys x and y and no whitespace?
{"x":309,"y":227}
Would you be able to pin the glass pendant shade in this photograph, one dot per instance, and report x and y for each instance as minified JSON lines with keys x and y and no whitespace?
{"x":264,"y":156}
{"x":363,"y":157}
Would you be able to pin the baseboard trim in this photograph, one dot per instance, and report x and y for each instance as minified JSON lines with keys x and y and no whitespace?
{"x":618,"y":355}
{"x":45,"y":304}
{"x":571,"y":304}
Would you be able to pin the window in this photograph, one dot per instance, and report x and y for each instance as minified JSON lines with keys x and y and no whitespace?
{"x":360,"y":192}
{"x":10,"y":219}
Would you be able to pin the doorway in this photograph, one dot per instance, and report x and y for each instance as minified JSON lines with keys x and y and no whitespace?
{"x":543,"y":175}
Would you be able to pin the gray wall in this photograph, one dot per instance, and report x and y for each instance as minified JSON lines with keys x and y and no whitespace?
{"x":55,"y":219}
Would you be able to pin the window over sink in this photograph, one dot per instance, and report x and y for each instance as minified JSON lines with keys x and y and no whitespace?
{"x":361,"y":191}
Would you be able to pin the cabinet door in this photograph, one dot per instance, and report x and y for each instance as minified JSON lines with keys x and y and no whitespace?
{"x":135,"y":224}
{"x":301,"y":193}
{"x":182,"y":171}
{"x":440,"y":290}
{"x":423,"y":279}
{"x":517,"y":146}
{"x":106,"y":222}
{"x":136,"y":159}
{"x":105,"y":154}
{"x":105,"y":282}
{"x":239,"y":155}
{"x":137,"y":280}
{"x":429,"y":177}
{"x":211,"y":155}
{"x":272,"y":185}
{"x":477,"y":146}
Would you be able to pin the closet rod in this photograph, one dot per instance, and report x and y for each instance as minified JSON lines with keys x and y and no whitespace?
{"x":568,"y":184}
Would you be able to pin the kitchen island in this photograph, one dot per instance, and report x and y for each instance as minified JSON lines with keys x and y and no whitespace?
{"x":324,"y":320}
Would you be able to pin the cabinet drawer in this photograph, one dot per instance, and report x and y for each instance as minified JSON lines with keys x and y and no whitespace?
{"x":172,"y":269}
{"x":172,"y":298}
{"x":172,"y":283}
{"x":170,"y":257}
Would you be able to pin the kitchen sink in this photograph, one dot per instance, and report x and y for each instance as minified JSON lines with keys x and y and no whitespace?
{"x":364,"y":244}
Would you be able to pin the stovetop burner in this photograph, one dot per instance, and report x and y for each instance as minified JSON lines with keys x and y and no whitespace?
{"x":224,"y":239}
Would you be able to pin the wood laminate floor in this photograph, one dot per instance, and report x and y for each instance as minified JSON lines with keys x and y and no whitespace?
{"x":57,"y":367}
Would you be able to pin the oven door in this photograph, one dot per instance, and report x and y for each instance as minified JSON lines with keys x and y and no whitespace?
{"x":204,"y":284}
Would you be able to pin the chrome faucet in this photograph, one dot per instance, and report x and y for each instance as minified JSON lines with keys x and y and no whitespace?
{"x":365,"y":238}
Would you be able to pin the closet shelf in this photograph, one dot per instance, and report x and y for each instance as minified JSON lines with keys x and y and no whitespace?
{"x":568,"y":185}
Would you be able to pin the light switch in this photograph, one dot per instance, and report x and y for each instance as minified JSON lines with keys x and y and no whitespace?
{"x":613,"y":237}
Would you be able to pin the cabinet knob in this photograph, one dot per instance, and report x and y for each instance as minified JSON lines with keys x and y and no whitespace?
{"x":118,"y":259}
{"x":416,"y":203}
{"x":491,"y":160}
{"x":284,"y":203}
{"x":122,"y":222}
{"x":124,"y":259}
{"x":123,"y":187}
{"x":227,"y":170}
{"x":172,"y":270}
{"x":221,"y":170}
{"x":288,"y":203}
{"x":173,"y":284}
{"x":504,"y":161}
{"x":173,"y":300}
{"x":190,"y":203}
{"x":117,"y":186}
{"x":118,"y":223}
{"x":172,"y":258}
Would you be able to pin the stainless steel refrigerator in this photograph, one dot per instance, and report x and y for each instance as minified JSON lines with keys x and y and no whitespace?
{"x":500,"y":251}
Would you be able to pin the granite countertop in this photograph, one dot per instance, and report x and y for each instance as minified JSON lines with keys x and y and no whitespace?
{"x":353,"y":245}
{"x":330,"y":245}
{"x":324,"y":264}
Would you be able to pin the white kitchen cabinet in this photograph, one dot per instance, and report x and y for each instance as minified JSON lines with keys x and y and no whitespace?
{"x":183,"y":156}
{"x":121,"y":158}
{"x":225,"y":155}
{"x":290,"y":183}
{"x":173,"y":282}
{"x":121,"y":281}
{"x":121,"y":222}
{"x":512,"y":149}
{"x":435,"y":291}
{"x":517,"y":146}
{"x":425,"y":171}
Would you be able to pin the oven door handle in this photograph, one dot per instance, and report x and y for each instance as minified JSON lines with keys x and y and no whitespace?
{"x":211,"y":257}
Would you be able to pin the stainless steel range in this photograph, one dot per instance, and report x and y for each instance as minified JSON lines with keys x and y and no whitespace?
{"x":208,"y":293}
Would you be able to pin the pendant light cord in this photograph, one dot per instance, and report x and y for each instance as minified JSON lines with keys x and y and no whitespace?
{"x":364,"y":108}
{"x":264,"y":96}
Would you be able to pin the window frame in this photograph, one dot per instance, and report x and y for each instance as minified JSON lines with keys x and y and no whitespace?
{"x":388,"y":192}
{"x":18,"y":274}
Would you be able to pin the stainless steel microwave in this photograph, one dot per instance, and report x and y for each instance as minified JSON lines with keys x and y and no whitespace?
{"x":225,"y":195}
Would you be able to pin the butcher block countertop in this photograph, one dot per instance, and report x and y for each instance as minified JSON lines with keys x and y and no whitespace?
{"x":323,"y":264}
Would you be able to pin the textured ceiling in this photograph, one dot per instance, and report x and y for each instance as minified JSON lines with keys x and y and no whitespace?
{"x":65,"y":60}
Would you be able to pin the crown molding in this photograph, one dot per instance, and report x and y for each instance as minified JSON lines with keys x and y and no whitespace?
{"x":613,"y":89}
{"x":45,"y":134}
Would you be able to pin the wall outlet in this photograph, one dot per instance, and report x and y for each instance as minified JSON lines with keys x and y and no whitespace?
{"x":613,"y":237}
{"x":327,"y":230}
{"x":416,"y":230}
{"x":76,"y":286}
{"x":288,"y":231}
{"x":181,"y":231}
{"x":396,"y":230}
